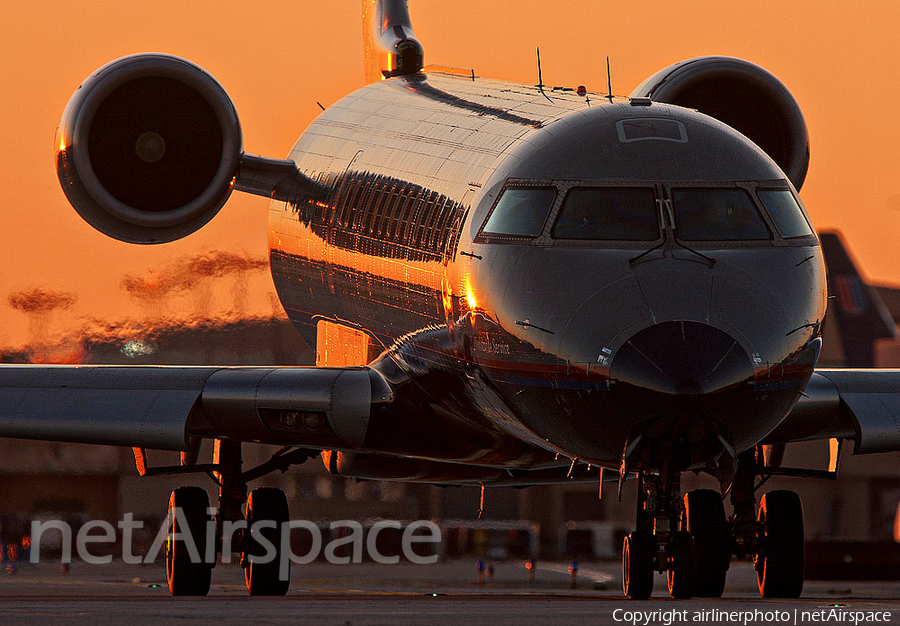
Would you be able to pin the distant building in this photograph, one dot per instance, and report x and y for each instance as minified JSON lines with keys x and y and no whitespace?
{"x":77,"y":482}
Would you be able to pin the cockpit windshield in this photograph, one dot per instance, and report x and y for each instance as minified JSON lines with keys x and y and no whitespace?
{"x":782,"y":207}
{"x":717,"y":215}
{"x":521,"y":212}
{"x":631,"y":213}
{"x":608,"y":213}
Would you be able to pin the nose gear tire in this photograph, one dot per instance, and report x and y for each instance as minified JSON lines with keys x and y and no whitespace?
{"x":780,"y":558}
{"x":637,"y":566}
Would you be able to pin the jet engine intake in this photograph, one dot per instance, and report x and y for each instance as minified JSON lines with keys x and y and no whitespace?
{"x":746,"y":97}
{"x":148,"y":148}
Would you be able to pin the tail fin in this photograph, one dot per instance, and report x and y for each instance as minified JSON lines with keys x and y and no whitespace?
{"x":390,"y":45}
{"x":373,"y":65}
{"x":861,"y":315}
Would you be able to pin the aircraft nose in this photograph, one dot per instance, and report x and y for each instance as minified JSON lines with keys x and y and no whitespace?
{"x":681,"y":358}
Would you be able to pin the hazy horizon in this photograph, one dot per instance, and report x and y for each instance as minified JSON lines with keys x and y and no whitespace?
{"x":279,"y":59}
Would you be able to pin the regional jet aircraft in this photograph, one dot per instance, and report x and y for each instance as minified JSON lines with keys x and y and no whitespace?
{"x":552,"y":279}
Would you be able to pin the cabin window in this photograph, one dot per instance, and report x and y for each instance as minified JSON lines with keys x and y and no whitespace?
{"x":384,"y":216}
{"x":717,"y":215}
{"x":426,"y":221}
{"x":410,"y":210}
{"x":439,"y":234}
{"x":521,"y":212}
{"x":612,"y":214}
{"x":785,"y":213}
{"x":396,"y":223}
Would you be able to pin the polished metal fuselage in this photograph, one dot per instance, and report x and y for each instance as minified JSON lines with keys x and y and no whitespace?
{"x":507,"y":351}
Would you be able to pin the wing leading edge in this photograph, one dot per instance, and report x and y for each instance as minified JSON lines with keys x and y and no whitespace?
{"x":858,"y":404}
{"x":328,"y":408}
{"x":162,"y":407}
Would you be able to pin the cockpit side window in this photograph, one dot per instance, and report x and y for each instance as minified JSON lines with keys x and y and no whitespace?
{"x":717,"y":215}
{"x":520,"y":212}
{"x":609,"y":213}
{"x":785,"y":213}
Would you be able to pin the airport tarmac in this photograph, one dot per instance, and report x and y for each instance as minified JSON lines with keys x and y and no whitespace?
{"x":444,"y":593}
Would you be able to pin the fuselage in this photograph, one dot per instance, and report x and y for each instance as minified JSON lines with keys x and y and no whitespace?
{"x":579,"y":275}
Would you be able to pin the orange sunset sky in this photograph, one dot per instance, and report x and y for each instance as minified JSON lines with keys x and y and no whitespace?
{"x":277,"y":58}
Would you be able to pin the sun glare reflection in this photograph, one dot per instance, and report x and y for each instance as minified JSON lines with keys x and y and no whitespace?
{"x":470,"y":296}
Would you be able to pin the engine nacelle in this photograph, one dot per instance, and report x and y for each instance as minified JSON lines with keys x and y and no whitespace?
{"x":148,"y":148}
{"x":746,"y":97}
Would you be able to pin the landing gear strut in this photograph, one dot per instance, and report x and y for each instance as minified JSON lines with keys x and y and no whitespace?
{"x":692,"y":542}
{"x":657,"y":542}
{"x":258,"y":537}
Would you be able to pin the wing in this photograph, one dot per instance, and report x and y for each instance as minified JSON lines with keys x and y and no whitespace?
{"x":858,"y":404}
{"x":163,"y":407}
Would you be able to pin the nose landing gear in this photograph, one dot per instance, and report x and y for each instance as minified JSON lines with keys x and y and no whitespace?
{"x":704,"y":519}
{"x":637,"y":565}
{"x":658,"y":543}
{"x":692,"y":541}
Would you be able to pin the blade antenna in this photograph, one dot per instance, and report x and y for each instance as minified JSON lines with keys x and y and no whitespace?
{"x":540,"y":79}
{"x":540,"y":84}
{"x":608,"y":81}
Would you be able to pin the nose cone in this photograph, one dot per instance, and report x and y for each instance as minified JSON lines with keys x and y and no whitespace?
{"x":681,"y":358}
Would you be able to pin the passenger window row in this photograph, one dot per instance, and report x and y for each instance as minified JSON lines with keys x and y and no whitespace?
{"x":393,"y":211}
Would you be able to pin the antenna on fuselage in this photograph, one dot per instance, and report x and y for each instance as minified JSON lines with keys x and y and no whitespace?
{"x":540,"y":79}
{"x":608,"y":81}
{"x":540,"y":84}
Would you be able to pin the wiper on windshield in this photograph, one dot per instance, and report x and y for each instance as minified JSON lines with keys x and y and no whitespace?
{"x":707,"y":260}
{"x":634,"y":260}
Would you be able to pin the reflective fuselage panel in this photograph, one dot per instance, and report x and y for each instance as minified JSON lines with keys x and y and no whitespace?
{"x":572,"y":333}
{"x":406,"y":159}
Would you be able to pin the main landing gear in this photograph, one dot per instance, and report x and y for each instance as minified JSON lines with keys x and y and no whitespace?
{"x":197,"y":534}
{"x":691,"y":540}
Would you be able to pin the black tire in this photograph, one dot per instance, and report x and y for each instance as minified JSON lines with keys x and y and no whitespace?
{"x":637,"y":566}
{"x":704,"y":518}
{"x":263,"y":579}
{"x":680,"y":575}
{"x":184,"y":576}
{"x":780,"y":558}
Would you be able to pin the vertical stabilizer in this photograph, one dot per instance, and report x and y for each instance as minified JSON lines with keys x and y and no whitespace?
{"x":861,"y":315}
{"x":373,"y":60}
{"x":389,"y":43}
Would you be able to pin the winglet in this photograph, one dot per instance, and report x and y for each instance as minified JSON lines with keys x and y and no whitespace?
{"x":861,"y":315}
{"x":391,"y":47}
